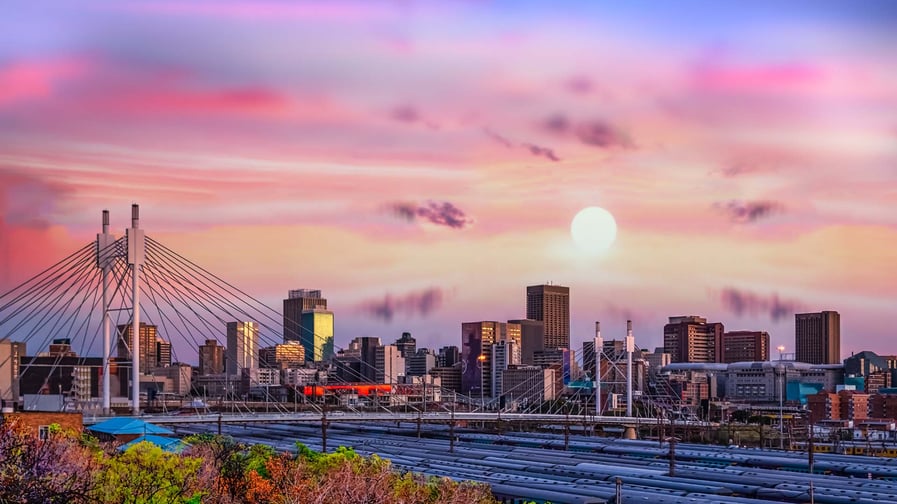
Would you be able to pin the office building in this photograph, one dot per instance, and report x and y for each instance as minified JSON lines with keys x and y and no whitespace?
{"x":532,"y":338}
{"x":211,"y":358}
{"x":420,"y":363}
{"x":318,"y":326}
{"x":11,"y":353}
{"x":502,"y":355}
{"x":163,"y":353}
{"x":242,"y":346}
{"x":550,"y":304}
{"x":307,"y":320}
{"x":76,"y":377}
{"x":817,"y":337}
{"x":692,"y":339}
{"x":528,"y":385}
{"x":476,"y":338}
{"x":154,"y":351}
{"x":282,"y":356}
{"x":449,"y":376}
{"x":390,"y":364}
{"x":744,"y":346}
{"x":407,"y":345}
{"x":297,"y":302}
{"x":448,"y":356}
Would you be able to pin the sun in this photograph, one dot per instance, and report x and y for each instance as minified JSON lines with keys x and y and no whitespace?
{"x":593,"y":229}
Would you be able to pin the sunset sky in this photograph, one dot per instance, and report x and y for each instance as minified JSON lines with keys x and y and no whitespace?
{"x":420,"y":162}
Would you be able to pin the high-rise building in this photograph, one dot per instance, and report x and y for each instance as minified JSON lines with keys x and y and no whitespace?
{"x":367,"y":347}
{"x":390,"y":364}
{"x":448,"y":356}
{"x":317,"y":325}
{"x":282,"y":356}
{"x":242,"y":346}
{"x":532,"y":338}
{"x":743,"y":346}
{"x":297,"y":302}
{"x":407,"y":345}
{"x":420,"y":363}
{"x":476,"y":337}
{"x":502,"y":355}
{"x":163,"y":353}
{"x":149,"y":347}
{"x":450,"y":377}
{"x":211,"y":358}
{"x":817,"y":337}
{"x":550,"y":304}
{"x":693,"y":339}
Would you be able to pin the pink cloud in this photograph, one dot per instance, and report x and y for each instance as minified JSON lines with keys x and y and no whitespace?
{"x":773,"y":78}
{"x":33,"y":79}
{"x":276,"y":10}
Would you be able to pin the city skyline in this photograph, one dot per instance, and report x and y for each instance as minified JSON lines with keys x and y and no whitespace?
{"x":421,"y":163}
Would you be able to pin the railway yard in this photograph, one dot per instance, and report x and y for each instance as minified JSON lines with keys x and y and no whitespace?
{"x":535,"y":466}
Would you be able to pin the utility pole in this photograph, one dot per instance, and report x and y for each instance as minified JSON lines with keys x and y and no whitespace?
{"x":599,"y":349}
{"x":452,"y":427}
{"x":630,"y":347}
{"x":672,"y":457}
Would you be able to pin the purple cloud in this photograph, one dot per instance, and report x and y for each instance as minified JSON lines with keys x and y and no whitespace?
{"x":439,"y":213}
{"x":545,"y":152}
{"x":580,"y":84}
{"x":420,"y":303}
{"x":600,"y":134}
{"x":745,"y":212}
{"x":406,"y":114}
{"x":498,"y":138}
{"x":557,"y":123}
{"x":742,"y":302}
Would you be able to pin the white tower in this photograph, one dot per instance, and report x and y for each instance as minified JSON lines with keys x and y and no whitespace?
{"x":599,"y":349}
{"x":136,"y":249}
{"x":105,"y":257}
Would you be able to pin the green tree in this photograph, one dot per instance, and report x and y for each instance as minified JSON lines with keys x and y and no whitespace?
{"x":146,"y":474}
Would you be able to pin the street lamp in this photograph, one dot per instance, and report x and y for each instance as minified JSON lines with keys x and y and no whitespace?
{"x":780,"y":348}
{"x":482,"y":359}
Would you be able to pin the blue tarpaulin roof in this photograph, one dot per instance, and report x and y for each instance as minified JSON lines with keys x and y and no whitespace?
{"x":173,"y":445}
{"x":124,"y":426}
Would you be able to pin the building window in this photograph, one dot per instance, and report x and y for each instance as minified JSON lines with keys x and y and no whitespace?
{"x":43,"y":432}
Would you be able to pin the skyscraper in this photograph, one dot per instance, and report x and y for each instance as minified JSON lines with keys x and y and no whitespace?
{"x":150,"y":346}
{"x":298,"y":301}
{"x":317,"y":326}
{"x":476,"y":338}
{"x":692,"y":339}
{"x":741,"y":346}
{"x":817,"y":337}
{"x":211,"y":358}
{"x":242,"y":346}
{"x":307,"y":320}
{"x":551,"y":305}
{"x":532,"y":338}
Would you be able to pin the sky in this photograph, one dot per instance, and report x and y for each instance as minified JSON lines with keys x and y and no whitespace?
{"x":421,"y":162}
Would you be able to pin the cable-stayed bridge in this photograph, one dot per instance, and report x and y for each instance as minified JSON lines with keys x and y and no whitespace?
{"x":99,"y":299}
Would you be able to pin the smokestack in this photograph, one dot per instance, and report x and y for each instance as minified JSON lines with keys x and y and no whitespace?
{"x":105,"y":221}
{"x":628,"y":328}
{"x":135,"y":216}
